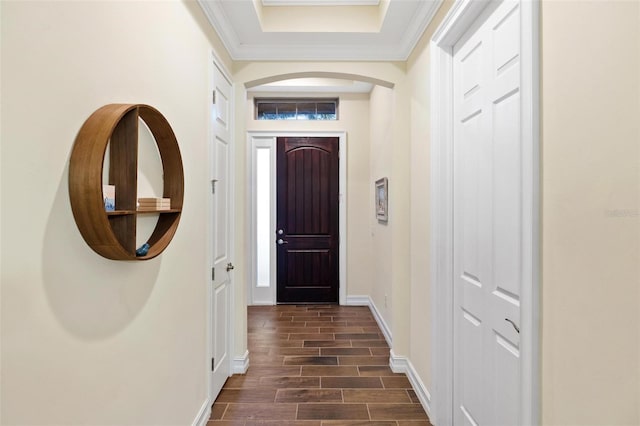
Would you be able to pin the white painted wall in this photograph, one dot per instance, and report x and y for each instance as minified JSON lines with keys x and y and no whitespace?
{"x":86,"y":340}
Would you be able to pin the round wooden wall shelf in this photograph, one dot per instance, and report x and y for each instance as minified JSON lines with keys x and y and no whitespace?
{"x":113,"y":234}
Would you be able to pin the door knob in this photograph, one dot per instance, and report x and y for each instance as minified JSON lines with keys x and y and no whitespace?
{"x":230,"y":267}
{"x":281,"y":241}
{"x":513,"y":324}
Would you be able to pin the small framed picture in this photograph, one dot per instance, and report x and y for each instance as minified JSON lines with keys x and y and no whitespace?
{"x":382,"y":200}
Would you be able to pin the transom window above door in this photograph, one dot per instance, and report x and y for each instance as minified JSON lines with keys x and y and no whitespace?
{"x":296,"y":109}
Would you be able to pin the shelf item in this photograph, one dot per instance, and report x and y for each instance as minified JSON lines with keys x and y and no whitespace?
{"x":112,"y":234}
{"x":142,"y":250}
{"x":153,"y":208}
{"x":151,"y":204}
{"x":154,"y":200}
{"x":109,"y":196}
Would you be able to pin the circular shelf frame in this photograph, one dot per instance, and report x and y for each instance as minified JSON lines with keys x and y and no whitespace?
{"x":113,"y":234}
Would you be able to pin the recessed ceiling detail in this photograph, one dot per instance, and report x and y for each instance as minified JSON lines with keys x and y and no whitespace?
{"x":318,"y":19}
{"x":385,"y":30}
{"x":320,"y":2}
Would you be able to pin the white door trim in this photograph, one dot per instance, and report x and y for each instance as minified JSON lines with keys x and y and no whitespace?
{"x":210,"y":228}
{"x":216,"y":63}
{"x":459,"y":19}
{"x":232,"y":220}
{"x":342,"y":205}
{"x":263,"y":296}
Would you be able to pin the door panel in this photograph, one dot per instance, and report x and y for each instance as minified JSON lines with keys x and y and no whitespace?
{"x":222,"y":228}
{"x":506,"y":365}
{"x":488,"y":232}
{"x":221,"y":306}
{"x":221,"y":205}
{"x":307,"y":214}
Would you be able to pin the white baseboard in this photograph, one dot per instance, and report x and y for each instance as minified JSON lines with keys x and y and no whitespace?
{"x":358,"y":300}
{"x":240,"y":364}
{"x":386,"y":331}
{"x":367,"y":301}
{"x":204,"y":414}
{"x":402,"y":364}
{"x":398,"y":364}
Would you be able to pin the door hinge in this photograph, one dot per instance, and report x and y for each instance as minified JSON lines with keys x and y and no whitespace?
{"x":213,"y":274}
{"x":213,"y":185}
{"x":213,"y":98}
{"x":213,"y":364}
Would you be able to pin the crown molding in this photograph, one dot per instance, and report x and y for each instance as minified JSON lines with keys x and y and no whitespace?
{"x":218,"y":19}
{"x":243,"y":51}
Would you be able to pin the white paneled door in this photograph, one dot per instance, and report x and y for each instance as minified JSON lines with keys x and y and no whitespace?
{"x":222,"y":229}
{"x":488,"y":219}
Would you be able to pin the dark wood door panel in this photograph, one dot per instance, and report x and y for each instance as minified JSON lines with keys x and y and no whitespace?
{"x":308,"y":191}
{"x":309,"y":265}
{"x":307,"y":214}
{"x":309,"y":268}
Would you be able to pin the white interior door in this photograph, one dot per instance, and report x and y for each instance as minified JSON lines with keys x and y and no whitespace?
{"x":488,"y":220}
{"x":222,"y":230}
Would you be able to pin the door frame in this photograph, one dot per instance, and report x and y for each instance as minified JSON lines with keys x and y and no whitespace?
{"x":459,"y":19}
{"x":257,"y":138}
{"x":215,"y":62}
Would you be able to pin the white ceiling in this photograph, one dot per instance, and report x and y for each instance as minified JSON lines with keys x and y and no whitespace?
{"x":365,"y":30}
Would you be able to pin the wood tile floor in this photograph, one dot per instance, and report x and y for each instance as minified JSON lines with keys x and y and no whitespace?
{"x":319,"y":365}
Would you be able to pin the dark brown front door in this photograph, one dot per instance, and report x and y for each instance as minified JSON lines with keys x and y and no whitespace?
{"x":307,"y":222}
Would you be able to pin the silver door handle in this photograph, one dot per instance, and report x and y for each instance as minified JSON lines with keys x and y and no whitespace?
{"x":281,"y":241}
{"x":513,"y":324}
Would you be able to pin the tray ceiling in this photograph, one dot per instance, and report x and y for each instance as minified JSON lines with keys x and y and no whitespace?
{"x":366,"y":30}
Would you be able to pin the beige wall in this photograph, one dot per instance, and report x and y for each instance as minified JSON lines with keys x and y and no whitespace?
{"x":87,"y":340}
{"x":400,"y":200}
{"x":418,"y":70}
{"x":382,"y":148}
{"x":390,"y":158}
{"x":590,"y":221}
